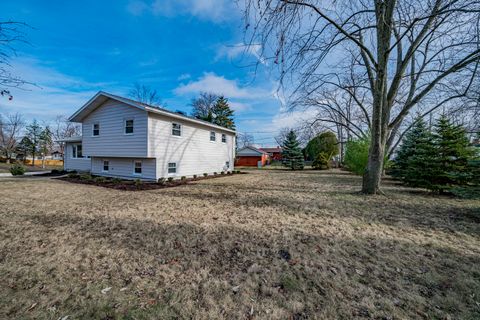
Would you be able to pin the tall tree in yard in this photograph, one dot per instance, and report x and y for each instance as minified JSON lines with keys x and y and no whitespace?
{"x":223,"y":114}
{"x":33,"y":135}
{"x":203,"y":105}
{"x":45,"y":143}
{"x":292,"y":156}
{"x":10,"y":128}
{"x":405,"y":56}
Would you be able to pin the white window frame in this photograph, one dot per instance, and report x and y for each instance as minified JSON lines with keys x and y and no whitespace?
{"x":108,"y":165}
{"x":93,"y":129}
{"x":75,"y":151}
{"x":168,"y":168}
{"x":214,"y":136}
{"x":224,"y":138}
{"x":179,"y":129}
{"x":134,"y":167}
{"x":125,"y":127}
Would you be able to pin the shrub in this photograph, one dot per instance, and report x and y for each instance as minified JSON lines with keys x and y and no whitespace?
{"x":228,"y":172}
{"x":161,"y":181}
{"x":55,"y":171}
{"x":183,"y":178}
{"x":73,"y":175}
{"x":322,"y":149}
{"x":356,"y":155}
{"x":137,"y":182}
{"x":170,"y":179}
{"x":117,"y":180}
{"x":222,"y":173}
{"x":86,"y":176}
{"x":322,"y":161}
{"x":215,"y":173}
{"x":100,"y":179}
{"x":17,"y":170}
{"x":205,"y":174}
{"x":194,"y":176}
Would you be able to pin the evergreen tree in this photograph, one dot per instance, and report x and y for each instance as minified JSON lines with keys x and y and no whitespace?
{"x":452,"y":154}
{"x":222,"y":114}
{"x":418,"y":134}
{"x":417,"y":161}
{"x":34,"y":131}
{"x":292,"y":155}
{"x":45,"y":143}
{"x":322,"y":149}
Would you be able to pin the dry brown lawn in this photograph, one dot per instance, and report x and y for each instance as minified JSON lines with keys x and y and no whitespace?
{"x":266,"y":245}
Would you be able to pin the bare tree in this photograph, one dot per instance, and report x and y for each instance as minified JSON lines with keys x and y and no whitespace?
{"x":10,"y":129}
{"x":11,"y":33}
{"x":406,"y":54}
{"x":62,"y":128}
{"x":203,"y":105}
{"x":145,"y":94}
{"x":244,"y":140}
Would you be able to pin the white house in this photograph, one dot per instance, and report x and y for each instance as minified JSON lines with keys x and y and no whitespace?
{"x":128,"y":139}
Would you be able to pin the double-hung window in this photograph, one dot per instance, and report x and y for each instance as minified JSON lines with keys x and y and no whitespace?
{"x":137,"y":167}
{"x":129,"y":126}
{"x":106,"y":165}
{"x":212,"y":136}
{"x":176,"y":129}
{"x":96,"y":129}
{"x":172,"y":167}
{"x":224,"y":138}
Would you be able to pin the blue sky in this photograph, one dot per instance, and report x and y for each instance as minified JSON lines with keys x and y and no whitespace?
{"x":178,"y":47}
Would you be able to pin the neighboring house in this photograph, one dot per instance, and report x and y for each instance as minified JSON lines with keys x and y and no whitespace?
{"x":128,"y":139}
{"x":274,"y":153}
{"x":251,"y":157}
{"x":56,"y":155}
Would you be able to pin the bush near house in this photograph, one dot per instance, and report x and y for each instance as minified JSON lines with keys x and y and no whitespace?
{"x":17,"y":170}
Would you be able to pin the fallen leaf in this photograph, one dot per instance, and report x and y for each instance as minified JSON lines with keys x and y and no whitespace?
{"x":104,"y":291}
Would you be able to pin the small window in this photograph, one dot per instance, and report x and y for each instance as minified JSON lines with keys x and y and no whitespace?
{"x":106,"y":165}
{"x":137,"y":167}
{"x":176,"y":129}
{"x":128,"y":126}
{"x":227,"y":164}
{"x":224,"y":138}
{"x":77,"y":151}
{"x":212,"y":135}
{"x":172,"y":167}
{"x":96,"y":129}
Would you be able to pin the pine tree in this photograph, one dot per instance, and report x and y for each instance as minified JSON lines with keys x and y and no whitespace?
{"x":419,"y":133}
{"x":292,"y":155}
{"x":222,"y":114}
{"x":452,"y":154}
{"x":33,"y":133}
{"x":45,"y":143}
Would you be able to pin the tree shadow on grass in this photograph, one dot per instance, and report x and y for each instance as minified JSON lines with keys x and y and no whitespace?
{"x":361,"y":276}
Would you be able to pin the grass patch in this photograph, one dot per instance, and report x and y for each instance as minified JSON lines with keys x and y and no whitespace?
{"x":265,"y":245}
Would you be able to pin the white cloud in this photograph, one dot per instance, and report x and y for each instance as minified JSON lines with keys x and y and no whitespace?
{"x":291,"y":119}
{"x":210,"y":82}
{"x":241,"y":50}
{"x":54,"y":94}
{"x":184,"y":76}
{"x":239,"y":106}
{"x":212,"y":10}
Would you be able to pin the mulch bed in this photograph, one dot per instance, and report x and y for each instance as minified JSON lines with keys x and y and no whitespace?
{"x":129,"y":185}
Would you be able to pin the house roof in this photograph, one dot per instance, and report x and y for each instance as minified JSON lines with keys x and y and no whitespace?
{"x":272,"y":150}
{"x":102,"y":97}
{"x":250,"y":151}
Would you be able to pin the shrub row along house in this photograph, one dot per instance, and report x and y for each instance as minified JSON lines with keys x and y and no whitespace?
{"x":129,"y":139}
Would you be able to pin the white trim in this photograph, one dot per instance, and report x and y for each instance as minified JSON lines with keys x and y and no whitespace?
{"x":125,"y":127}
{"x":141,"y":168}
{"x":93,"y":129}
{"x":103,"y":165}
{"x":76,"y":116}
{"x":181,"y":130}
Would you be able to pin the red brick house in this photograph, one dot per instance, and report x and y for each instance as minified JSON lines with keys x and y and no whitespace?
{"x":251,"y":157}
{"x":274,"y":153}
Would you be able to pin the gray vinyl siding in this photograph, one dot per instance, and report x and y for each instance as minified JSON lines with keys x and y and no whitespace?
{"x":70,"y":163}
{"x":112,"y":140}
{"x":193,"y":151}
{"x":123,"y":168}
